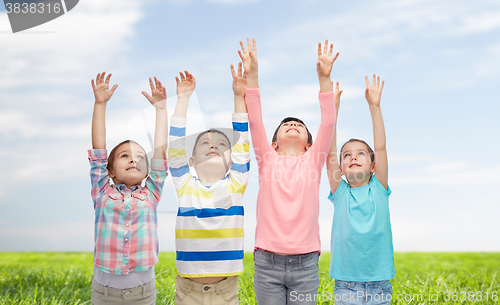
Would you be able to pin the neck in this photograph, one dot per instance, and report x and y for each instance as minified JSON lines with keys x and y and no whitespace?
{"x":355,"y":182}
{"x":291,"y":150}
{"x":210,"y":176}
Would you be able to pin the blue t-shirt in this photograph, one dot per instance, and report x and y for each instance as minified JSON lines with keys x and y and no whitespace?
{"x":361,"y":244}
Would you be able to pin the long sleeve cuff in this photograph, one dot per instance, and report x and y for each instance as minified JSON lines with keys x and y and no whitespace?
{"x":98,"y":154}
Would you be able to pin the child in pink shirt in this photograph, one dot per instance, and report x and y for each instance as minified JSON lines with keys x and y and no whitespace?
{"x":287,"y":242}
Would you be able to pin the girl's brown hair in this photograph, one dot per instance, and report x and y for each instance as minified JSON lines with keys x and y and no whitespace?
{"x":111,"y":158}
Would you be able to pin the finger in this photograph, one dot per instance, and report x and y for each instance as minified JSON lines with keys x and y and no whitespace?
{"x":374,"y":79}
{"x":177,"y":80}
{"x":340,"y":93}
{"x":183,"y":78}
{"x":156,"y":82}
{"x":242,"y":48}
{"x":103,"y":74}
{"x":254,"y":45}
{"x":93,"y":84}
{"x":337,"y":87}
{"x":382,"y":87}
{"x":240,"y":68}
{"x":378,"y":81}
{"x":151,"y":85}
{"x":249,"y":45}
{"x":336,"y":55}
{"x":232,"y":72}
{"x":331,"y":50}
{"x":188,"y":75}
{"x":146,"y":95}
{"x":319,"y":48}
{"x":160,"y":85}
{"x":164,"y":92}
{"x":325,"y":47}
{"x":107,"y":79}
{"x":367,"y":82}
{"x":113,"y":89}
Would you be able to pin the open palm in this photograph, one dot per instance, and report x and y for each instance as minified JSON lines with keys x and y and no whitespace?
{"x":102,"y":93}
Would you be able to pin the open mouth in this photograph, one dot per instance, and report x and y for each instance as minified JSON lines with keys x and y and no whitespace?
{"x":133,"y":168}
{"x":213,"y":154}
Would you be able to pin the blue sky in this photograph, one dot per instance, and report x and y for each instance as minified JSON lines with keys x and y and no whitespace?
{"x":440,"y":61}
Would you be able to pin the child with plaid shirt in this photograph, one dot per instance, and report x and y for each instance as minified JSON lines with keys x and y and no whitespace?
{"x":126,"y":242}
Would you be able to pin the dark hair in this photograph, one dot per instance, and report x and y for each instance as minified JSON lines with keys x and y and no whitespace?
{"x":370,"y":150}
{"x":288,"y":119}
{"x":207,"y":131}
{"x":111,"y":158}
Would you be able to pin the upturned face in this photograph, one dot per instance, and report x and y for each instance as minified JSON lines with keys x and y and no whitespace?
{"x":291,"y":131}
{"x":356,"y":164}
{"x":212,"y":149}
{"x":129,"y":166}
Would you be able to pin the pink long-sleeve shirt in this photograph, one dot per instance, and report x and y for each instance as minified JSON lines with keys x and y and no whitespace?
{"x":288,"y":200}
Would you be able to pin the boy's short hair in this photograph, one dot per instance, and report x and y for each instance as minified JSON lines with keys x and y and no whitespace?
{"x":288,"y":119}
{"x":370,"y":150}
{"x":111,"y":158}
{"x":211,"y":130}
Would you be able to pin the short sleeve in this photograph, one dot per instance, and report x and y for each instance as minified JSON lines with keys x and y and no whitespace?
{"x":343,"y":187}
{"x":379,"y":185}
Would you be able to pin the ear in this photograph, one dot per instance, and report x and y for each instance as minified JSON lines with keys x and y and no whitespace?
{"x":191,"y":162}
{"x":274,"y":145}
{"x":372,"y":170}
{"x":308,"y":146}
{"x":111,"y":174}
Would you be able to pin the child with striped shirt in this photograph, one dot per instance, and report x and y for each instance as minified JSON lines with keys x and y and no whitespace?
{"x":209,"y":227}
{"x":126,"y":243}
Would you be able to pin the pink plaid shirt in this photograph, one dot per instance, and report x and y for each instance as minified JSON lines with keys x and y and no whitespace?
{"x":125,"y":219}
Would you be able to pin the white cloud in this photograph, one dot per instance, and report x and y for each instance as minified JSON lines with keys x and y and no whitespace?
{"x":452,"y":175}
{"x":232,"y":1}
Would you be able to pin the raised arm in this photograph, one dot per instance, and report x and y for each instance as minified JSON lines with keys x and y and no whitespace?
{"x":252,"y":96}
{"x":332,"y":163}
{"x":102,"y":95}
{"x":373,"y":94}
{"x":239,"y":82}
{"x":249,"y":60}
{"x":158,"y":99}
{"x":324,"y":66}
{"x":185,"y":87}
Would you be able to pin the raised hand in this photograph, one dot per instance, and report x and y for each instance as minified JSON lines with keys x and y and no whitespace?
{"x":249,"y":58}
{"x":102,"y":93}
{"x":239,"y":81}
{"x":186,"y":85}
{"x":158,"y":96}
{"x":337,"y":94}
{"x":325,"y":60}
{"x":373,"y":92}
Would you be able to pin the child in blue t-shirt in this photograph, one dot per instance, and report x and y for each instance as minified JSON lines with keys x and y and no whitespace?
{"x":362,"y":261}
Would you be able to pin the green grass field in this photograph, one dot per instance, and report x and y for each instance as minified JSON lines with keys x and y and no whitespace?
{"x":64,"y":278}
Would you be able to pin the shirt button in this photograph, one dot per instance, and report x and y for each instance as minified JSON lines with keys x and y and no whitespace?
{"x":126,"y":254}
{"x":126,"y":224}
{"x":128,"y":210}
{"x":206,"y":288}
{"x":290,"y":260}
{"x":126,"y":239}
{"x":127,"y":292}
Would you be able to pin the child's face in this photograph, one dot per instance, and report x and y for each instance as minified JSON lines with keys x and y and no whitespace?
{"x":129,"y":166}
{"x":212,"y":150}
{"x":356,"y":164}
{"x":292,"y":131}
